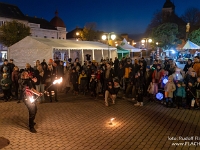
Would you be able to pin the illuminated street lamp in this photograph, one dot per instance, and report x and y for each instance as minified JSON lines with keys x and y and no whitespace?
{"x":109,"y":36}
{"x":145,"y":42}
{"x":77,"y":35}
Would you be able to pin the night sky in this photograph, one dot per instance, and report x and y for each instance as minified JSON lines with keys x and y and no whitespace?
{"x":120,"y":16}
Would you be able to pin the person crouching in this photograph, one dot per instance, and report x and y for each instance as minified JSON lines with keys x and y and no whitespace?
{"x":112,"y":90}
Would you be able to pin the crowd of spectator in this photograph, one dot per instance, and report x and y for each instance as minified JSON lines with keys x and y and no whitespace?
{"x":161,"y":81}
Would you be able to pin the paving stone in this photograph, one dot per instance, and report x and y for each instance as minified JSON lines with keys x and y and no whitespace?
{"x":82,"y":123}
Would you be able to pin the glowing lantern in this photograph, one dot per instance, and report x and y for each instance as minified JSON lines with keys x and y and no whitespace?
{"x":159,"y":96}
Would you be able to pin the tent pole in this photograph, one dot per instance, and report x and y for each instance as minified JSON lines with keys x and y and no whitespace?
{"x":93,"y":54}
{"x":69,"y":53}
{"x":110,"y":54}
{"x":102,"y":54}
{"x":82,"y":56}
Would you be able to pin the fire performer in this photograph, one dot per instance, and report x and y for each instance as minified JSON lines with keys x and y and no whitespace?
{"x":28,"y":98}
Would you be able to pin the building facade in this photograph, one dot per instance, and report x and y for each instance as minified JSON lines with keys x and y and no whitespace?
{"x":39,"y":27}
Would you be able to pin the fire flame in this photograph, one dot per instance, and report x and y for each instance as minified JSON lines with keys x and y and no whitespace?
{"x":31,"y":99}
{"x":58,"y":81}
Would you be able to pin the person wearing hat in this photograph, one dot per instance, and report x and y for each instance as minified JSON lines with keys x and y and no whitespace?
{"x":169,"y":90}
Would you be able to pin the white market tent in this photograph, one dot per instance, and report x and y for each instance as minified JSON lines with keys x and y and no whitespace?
{"x":124,"y":45}
{"x":30,"y":49}
{"x":190,"y":45}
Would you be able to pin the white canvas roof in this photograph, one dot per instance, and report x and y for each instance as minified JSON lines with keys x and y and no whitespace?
{"x":72,"y":44}
{"x":126,"y":46}
{"x":190,"y":45}
{"x":30,"y":49}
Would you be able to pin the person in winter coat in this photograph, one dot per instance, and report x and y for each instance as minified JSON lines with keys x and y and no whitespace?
{"x":15,"y":78}
{"x":188,"y":65}
{"x":5,"y":83}
{"x":177,"y":76}
{"x":93,"y":85}
{"x":66,"y":78}
{"x":180,"y":94}
{"x":74,"y":80}
{"x":120,"y":74}
{"x":130,"y":84}
{"x":147,"y":79}
{"x":99,"y":81}
{"x":169,"y":90}
{"x":158,"y":74}
{"x":139,"y":86}
{"x":127,"y":69}
{"x":82,"y":81}
{"x":50,"y":76}
{"x":39,"y":74}
{"x":152,"y":90}
{"x":196,"y":65}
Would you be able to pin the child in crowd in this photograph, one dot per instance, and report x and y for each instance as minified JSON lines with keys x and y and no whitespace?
{"x":93,"y":85}
{"x":180,"y":94}
{"x":169,"y":89}
{"x":164,"y":79}
{"x":5,"y":83}
{"x":153,"y":90}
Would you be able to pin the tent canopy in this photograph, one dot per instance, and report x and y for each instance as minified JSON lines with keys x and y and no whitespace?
{"x":73,"y":44}
{"x":124,"y":45}
{"x":30,"y":49}
{"x":190,"y":45}
{"x":121,"y":50}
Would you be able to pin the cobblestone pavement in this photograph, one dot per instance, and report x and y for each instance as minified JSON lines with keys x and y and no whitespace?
{"x":82,"y":123}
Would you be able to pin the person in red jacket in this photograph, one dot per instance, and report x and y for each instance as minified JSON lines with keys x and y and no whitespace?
{"x":158,"y":74}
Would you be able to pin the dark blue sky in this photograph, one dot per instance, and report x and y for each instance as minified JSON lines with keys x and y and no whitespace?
{"x":120,"y":16}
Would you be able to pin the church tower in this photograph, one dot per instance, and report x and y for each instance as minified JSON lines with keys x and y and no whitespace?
{"x":168,"y":11}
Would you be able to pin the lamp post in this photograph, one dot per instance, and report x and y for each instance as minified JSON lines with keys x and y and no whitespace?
{"x":145,"y":42}
{"x":77,"y":35}
{"x":108,"y":36}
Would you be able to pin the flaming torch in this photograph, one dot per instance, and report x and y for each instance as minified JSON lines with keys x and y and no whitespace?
{"x":55,"y":82}
{"x":58,"y":81}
